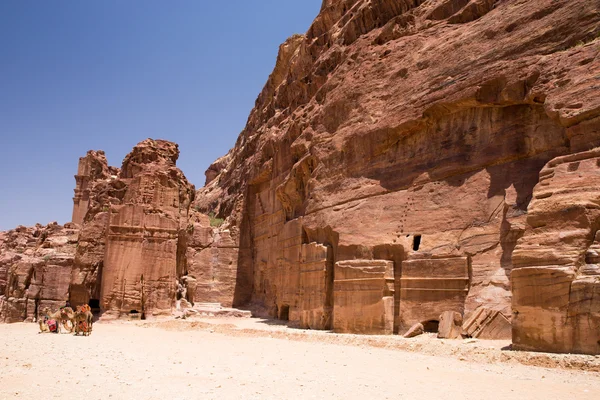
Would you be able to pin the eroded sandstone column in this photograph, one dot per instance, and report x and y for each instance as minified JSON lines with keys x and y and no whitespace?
{"x":316,"y":286}
{"x":92,"y":167}
{"x":556,"y":278}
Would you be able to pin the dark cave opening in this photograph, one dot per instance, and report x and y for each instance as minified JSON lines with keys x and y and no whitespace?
{"x":416,"y":242}
{"x":431,"y":326}
{"x":284,"y":313}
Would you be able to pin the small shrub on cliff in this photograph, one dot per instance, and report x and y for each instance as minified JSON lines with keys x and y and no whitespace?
{"x":214,"y":221}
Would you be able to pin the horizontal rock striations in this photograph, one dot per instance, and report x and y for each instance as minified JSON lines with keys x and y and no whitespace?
{"x":408,"y":163}
{"x":414,"y":132}
{"x":556,"y":276}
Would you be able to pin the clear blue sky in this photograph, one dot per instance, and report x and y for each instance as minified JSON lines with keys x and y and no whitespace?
{"x":104,"y":75}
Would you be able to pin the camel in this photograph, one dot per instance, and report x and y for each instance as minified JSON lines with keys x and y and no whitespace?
{"x":61,"y":316}
{"x":68,"y":315}
{"x":43,"y":325}
{"x":83,"y":320}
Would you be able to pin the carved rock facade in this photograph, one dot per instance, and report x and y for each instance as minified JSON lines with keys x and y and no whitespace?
{"x":137,"y":245}
{"x":405,"y":160}
{"x":412,"y":134}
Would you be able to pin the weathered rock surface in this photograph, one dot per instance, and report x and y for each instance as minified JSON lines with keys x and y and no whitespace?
{"x":404,"y":159}
{"x":212,"y":263}
{"x":136,"y":246}
{"x":144,"y":256}
{"x":415,"y":330}
{"x":91,"y":169}
{"x":450,"y":325}
{"x":430,"y":287}
{"x":363,"y":296}
{"x":414,"y":132}
{"x":316,"y":291}
{"x":556,"y":278}
{"x":97,"y":187}
{"x":35,"y":269}
{"x":485,"y":323}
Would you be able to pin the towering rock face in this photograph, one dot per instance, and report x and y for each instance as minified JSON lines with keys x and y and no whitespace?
{"x":143,"y":250}
{"x":96,"y":188}
{"x":405,"y":160}
{"x":410,"y":132}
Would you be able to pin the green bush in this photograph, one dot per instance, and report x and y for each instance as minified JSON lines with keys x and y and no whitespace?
{"x":214,"y":221}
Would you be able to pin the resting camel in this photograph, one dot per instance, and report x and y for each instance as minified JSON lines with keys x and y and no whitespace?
{"x":83,"y":320}
{"x":43,"y":325}
{"x":61,"y":316}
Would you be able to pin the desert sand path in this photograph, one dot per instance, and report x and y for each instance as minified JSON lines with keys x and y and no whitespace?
{"x":125,"y":361}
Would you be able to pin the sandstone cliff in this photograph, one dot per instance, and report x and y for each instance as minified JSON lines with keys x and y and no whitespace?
{"x":135,"y":244}
{"x":414,"y":132}
{"x":556,"y":280}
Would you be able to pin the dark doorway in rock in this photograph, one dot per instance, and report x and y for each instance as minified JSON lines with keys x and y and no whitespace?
{"x":284,"y":313}
{"x":36,"y":312}
{"x":95,"y":307}
{"x":431,"y":326}
{"x":136,"y":314}
{"x":416,"y":242}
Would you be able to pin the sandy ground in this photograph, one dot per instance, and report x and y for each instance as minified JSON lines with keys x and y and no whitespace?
{"x":254,"y":359}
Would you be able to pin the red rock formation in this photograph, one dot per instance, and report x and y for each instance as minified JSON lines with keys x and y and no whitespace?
{"x":556,"y":279}
{"x":315,"y":295}
{"x":131,"y":252}
{"x":450,"y":325}
{"x":92,"y":167}
{"x":102,"y":188}
{"x":407,"y":130}
{"x":431,"y":286}
{"x":35,"y":269}
{"x":143,"y":249}
{"x":212,"y":259}
{"x":388,"y":167}
{"x":363,"y":296}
